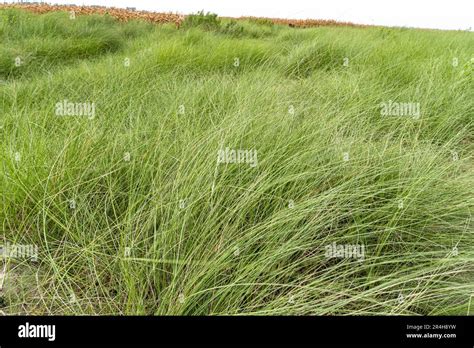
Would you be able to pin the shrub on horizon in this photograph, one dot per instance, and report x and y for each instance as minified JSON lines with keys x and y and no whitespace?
{"x":206,"y":21}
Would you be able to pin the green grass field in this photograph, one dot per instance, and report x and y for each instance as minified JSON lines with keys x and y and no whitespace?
{"x":126,"y":192}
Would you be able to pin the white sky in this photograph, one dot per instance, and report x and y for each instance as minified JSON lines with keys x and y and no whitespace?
{"x":438,"y":14}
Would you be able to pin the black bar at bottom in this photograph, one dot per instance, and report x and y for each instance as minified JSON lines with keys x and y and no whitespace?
{"x":135,"y":331}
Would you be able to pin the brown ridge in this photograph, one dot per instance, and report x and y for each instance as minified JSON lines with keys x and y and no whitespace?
{"x":118,"y":13}
{"x":156,"y":17}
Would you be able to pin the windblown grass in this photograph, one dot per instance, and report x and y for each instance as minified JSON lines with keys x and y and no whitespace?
{"x":208,"y":238}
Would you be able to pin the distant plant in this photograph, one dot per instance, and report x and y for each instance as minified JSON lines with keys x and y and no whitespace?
{"x":206,"y":21}
{"x":262,"y":21}
{"x":246,"y":28}
{"x":233,"y":29}
{"x":10,"y":17}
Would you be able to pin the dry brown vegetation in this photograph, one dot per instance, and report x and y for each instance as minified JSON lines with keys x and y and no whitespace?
{"x":156,"y":17}
{"x":118,"y":13}
{"x":305,"y":23}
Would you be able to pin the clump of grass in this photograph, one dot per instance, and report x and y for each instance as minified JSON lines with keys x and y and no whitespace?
{"x":262,"y":21}
{"x":202,"y":20}
{"x":33,"y":43}
{"x":247,"y":28}
{"x":233,"y":28}
{"x":303,"y":61}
